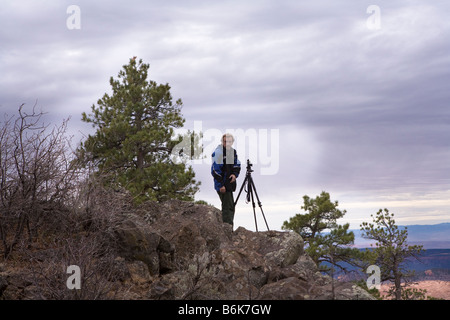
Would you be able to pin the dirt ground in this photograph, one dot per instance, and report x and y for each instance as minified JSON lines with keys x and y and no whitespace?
{"x":435,"y":288}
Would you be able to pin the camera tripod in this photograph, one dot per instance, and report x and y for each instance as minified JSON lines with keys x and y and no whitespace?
{"x":251,"y":189}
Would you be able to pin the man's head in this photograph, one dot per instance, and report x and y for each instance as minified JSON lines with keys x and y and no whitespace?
{"x":227,"y":140}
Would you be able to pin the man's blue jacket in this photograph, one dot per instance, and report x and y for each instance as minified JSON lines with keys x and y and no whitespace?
{"x":224,"y":163}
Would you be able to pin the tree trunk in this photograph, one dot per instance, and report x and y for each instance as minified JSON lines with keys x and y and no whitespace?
{"x":397,"y":282}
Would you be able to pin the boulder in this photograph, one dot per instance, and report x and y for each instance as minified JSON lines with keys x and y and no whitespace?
{"x":279,"y":249}
{"x":192,"y":229}
{"x":291,"y":288}
{"x":136,"y":240}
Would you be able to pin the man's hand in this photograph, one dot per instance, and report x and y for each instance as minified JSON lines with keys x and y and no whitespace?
{"x":223,"y":189}
{"x":232,"y":178}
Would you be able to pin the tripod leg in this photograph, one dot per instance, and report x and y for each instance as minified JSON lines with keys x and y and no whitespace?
{"x":252,"y":186}
{"x":250,"y":190}
{"x":240,"y":191}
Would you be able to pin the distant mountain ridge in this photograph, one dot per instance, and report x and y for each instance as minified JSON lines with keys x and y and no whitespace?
{"x":435,"y":236}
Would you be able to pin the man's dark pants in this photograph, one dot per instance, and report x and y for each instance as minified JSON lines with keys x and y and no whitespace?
{"x":227,"y":206}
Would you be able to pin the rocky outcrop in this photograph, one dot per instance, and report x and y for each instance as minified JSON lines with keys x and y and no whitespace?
{"x":210,"y":261}
{"x":182,"y":250}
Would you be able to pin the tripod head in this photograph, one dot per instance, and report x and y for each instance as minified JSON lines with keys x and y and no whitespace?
{"x":249,"y":166}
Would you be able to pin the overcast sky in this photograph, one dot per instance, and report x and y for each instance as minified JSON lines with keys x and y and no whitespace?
{"x":350,"y":97}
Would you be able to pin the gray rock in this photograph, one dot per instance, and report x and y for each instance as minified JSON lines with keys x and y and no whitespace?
{"x":138,"y":241}
{"x":291,"y":288}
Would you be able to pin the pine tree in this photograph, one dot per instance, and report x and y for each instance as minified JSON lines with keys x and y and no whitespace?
{"x":326,"y":241}
{"x":391,"y":250}
{"x":132,"y":146}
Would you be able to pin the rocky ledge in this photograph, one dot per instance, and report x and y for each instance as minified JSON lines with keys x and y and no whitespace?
{"x":191,"y":254}
{"x":180,"y":250}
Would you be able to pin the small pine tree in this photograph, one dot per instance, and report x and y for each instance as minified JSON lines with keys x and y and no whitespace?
{"x":391,"y":249}
{"x":332,"y":247}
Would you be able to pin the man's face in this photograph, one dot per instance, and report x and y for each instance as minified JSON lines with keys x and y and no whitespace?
{"x":227,"y":142}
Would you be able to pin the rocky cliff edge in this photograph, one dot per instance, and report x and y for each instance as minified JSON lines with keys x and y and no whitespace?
{"x":176,"y":250}
{"x":191,"y":254}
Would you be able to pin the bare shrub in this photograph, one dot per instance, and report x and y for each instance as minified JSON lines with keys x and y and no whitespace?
{"x":56,"y":212}
{"x":37,"y":174}
{"x":86,"y":239}
{"x":48,"y":271}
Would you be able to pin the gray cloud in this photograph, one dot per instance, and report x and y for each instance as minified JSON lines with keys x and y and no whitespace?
{"x":359,"y":111}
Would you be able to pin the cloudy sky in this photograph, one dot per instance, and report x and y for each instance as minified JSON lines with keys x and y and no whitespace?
{"x":350,"y":97}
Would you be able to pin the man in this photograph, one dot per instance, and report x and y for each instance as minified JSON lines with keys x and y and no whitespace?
{"x":225,"y":169}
